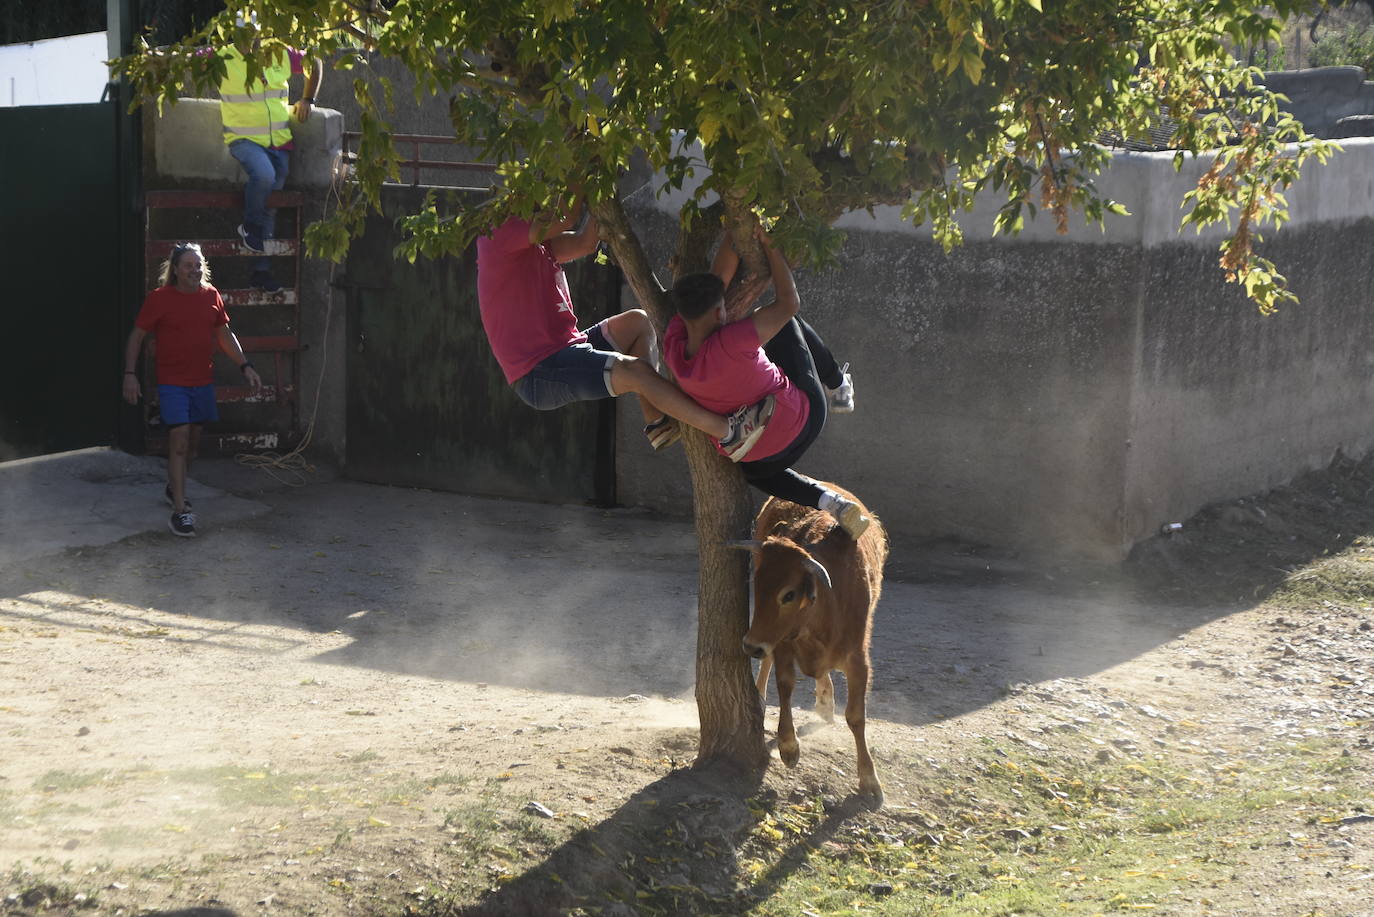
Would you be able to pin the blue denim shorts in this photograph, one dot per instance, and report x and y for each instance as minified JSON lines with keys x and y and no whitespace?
{"x":179,"y":404}
{"x":578,"y":372}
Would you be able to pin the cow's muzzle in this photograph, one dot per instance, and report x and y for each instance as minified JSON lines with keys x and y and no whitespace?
{"x":756,"y":650}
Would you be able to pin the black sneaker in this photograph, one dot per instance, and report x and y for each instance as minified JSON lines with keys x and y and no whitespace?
{"x":252,"y":238}
{"x":263,"y":280}
{"x":167,"y":493}
{"x":746,"y":426}
{"x":183,"y":524}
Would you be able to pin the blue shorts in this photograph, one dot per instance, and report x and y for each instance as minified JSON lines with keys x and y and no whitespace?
{"x":180,"y":404}
{"x":578,"y":372}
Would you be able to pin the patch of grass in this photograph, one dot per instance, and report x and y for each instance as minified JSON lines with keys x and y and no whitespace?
{"x":405,"y":792}
{"x":1023,"y":835}
{"x":363,"y":757}
{"x":64,"y":781}
{"x":123,"y":837}
{"x":236,"y":785}
{"x":475,"y":824}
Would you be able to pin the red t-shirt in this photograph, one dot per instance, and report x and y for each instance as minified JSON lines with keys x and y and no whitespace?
{"x":185,"y":325}
{"x":731,"y":370}
{"x":524,"y":299}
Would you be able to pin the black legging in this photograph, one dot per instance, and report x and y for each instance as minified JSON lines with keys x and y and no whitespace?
{"x":803,"y":357}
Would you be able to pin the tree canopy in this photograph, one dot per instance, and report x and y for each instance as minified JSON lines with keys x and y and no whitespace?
{"x":805,"y":109}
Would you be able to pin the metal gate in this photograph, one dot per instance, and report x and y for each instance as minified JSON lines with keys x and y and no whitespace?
{"x":61,"y":238}
{"x":427,"y":404}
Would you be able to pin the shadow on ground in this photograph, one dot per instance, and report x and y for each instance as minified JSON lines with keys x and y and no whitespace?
{"x":602,"y":602}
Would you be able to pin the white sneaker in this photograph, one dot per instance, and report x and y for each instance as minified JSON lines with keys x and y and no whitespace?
{"x":746,"y":426}
{"x":842,"y":398}
{"x":850,"y":517}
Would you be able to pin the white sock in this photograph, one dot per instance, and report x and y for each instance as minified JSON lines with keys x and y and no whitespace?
{"x":831,"y":502}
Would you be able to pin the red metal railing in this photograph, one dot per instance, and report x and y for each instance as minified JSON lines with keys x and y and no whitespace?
{"x":416,"y":163}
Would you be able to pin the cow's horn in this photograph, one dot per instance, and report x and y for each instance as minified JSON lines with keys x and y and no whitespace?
{"x":745,"y":544}
{"x":815,"y":567}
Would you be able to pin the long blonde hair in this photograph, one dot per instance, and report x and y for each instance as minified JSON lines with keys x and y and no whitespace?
{"x":167,"y":277}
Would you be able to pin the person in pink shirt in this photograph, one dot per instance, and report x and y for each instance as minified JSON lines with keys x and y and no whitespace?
{"x":528,"y":316}
{"x":771,"y":352}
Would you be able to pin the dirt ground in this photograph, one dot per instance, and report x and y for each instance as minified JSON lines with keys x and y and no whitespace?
{"x":362,"y":698}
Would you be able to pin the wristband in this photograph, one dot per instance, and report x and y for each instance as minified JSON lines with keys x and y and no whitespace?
{"x":245,"y":366}
{"x":310,"y":99}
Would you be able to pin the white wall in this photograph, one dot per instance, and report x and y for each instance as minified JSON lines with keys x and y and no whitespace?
{"x":57,"y":71}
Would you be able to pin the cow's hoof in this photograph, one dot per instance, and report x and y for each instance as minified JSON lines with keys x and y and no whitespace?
{"x":870,"y":787}
{"x":789,"y":752}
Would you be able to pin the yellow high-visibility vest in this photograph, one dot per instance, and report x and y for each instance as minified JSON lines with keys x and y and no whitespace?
{"x":259,"y":112}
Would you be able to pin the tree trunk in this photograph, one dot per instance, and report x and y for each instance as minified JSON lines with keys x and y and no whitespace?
{"x":728,"y":704}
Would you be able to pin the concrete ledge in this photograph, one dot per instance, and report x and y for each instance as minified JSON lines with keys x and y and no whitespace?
{"x":1150,"y":188}
{"x":189,"y":143}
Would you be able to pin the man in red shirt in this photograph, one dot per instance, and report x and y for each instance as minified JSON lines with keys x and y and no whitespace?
{"x":528,"y":316}
{"x":769,"y":353}
{"x":187,"y":316}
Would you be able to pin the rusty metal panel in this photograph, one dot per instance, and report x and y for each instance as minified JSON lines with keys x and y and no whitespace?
{"x":269,"y":334}
{"x":235,"y":298}
{"x":201,"y":200}
{"x":218,"y":248}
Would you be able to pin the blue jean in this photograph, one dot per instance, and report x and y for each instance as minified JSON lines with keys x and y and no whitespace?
{"x":578,"y":372}
{"x":266,"y":170}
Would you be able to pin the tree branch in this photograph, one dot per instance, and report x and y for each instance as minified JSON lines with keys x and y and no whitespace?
{"x":629,"y":254}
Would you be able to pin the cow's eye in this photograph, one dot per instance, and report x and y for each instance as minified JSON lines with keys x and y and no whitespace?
{"x":788,"y":596}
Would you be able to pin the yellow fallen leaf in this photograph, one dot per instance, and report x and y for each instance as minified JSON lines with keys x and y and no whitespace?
{"x":377,"y":822}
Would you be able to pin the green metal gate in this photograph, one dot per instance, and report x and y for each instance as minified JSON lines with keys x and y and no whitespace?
{"x":427,"y":404}
{"x":60,"y":233}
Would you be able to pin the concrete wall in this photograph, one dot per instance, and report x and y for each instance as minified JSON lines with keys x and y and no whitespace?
{"x":1321,"y":96}
{"x":184,"y":149}
{"x":1071,"y":394}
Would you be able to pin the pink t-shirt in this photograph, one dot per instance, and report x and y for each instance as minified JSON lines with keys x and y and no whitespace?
{"x":524,"y":299}
{"x":731,"y":370}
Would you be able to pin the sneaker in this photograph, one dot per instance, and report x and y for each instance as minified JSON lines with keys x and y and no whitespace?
{"x":167,"y":492}
{"x":663,"y":432}
{"x":263,"y":280}
{"x":842,"y":398}
{"x":183,"y":524}
{"x":746,"y":426}
{"x":850,"y":516}
{"x":252,"y":238}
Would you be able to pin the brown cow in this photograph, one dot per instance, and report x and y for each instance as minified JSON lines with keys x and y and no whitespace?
{"x":815,"y":589}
